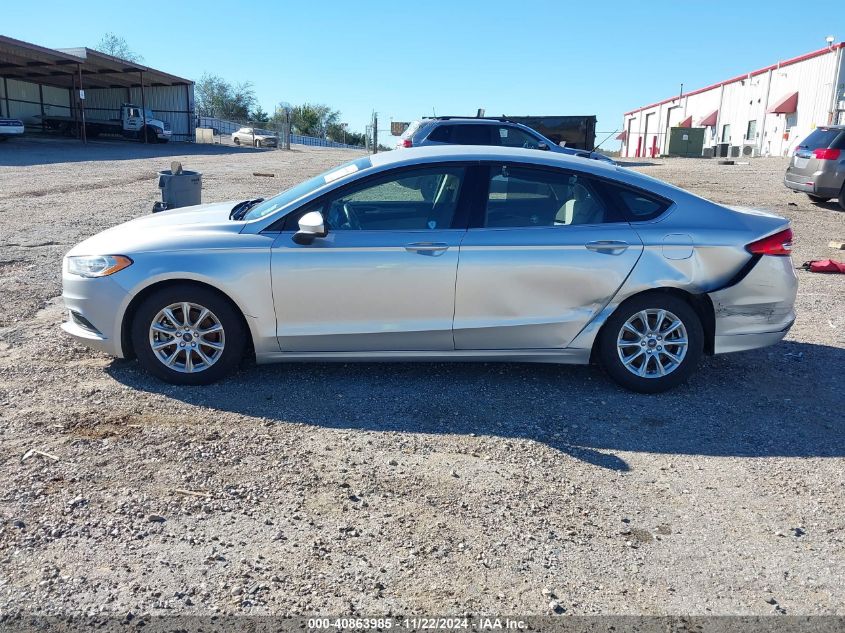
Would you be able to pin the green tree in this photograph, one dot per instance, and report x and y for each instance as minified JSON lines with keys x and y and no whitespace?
{"x":259,"y":115}
{"x":116,"y":46}
{"x":219,"y":98}
{"x":313,"y":119}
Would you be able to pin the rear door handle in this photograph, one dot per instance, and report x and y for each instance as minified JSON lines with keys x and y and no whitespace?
{"x":612,"y":247}
{"x":427,"y":248}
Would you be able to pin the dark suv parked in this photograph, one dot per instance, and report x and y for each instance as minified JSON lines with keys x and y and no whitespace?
{"x":484,"y":131}
{"x":818,"y":165}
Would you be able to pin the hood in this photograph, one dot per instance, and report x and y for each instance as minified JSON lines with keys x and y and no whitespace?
{"x":167,"y":230}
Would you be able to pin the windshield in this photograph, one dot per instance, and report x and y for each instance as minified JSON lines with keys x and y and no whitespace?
{"x":304,"y":188}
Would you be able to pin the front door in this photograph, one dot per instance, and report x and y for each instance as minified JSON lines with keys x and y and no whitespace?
{"x":383,"y":278}
{"x":547,"y":254}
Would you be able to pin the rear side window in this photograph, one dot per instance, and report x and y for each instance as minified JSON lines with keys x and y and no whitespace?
{"x":821,"y":138}
{"x":531,"y":197}
{"x":472,"y":134}
{"x":462,"y":134}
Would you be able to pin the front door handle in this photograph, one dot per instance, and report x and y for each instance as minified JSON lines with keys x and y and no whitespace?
{"x":611,"y":247}
{"x":427,"y":248}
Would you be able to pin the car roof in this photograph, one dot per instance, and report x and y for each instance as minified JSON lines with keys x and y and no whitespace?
{"x":445,"y":153}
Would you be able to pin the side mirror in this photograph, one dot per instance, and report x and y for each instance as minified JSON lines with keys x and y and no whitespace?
{"x":543,"y":146}
{"x":311,"y":225}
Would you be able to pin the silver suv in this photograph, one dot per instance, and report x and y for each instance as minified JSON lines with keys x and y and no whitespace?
{"x":494,"y":131}
{"x":818,"y":165}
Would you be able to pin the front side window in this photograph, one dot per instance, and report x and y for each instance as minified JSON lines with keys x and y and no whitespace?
{"x":514,"y":137}
{"x":527,"y":197}
{"x":408,"y":200}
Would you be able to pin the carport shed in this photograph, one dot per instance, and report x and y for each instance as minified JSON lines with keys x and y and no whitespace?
{"x":36,"y":81}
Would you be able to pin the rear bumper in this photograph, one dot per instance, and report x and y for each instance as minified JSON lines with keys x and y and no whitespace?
{"x":819,"y":184}
{"x":758,"y":310}
{"x":11,"y":130}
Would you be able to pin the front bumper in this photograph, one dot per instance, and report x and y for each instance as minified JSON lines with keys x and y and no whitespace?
{"x":758,"y":310}
{"x":98,"y":305}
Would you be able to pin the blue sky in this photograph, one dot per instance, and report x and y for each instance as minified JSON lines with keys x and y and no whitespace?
{"x":406,"y":60}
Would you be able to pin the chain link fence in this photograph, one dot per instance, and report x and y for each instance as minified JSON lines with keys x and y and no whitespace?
{"x":224,"y":129}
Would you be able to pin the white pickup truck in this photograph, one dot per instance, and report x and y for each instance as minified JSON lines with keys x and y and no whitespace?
{"x":10,"y":128}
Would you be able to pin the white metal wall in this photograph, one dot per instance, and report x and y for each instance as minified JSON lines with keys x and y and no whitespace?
{"x":744,"y":100}
{"x":174,"y":104}
{"x":25,"y":101}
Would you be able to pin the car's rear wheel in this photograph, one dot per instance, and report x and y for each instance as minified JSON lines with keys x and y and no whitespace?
{"x":841,"y":198}
{"x":188,"y":335}
{"x":257,"y":143}
{"x":651,"y":343}
{"x":817,"y":198}
{"x":237,"y":141}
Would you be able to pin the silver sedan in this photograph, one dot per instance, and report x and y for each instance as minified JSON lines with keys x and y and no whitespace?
{"x":435,"y":254}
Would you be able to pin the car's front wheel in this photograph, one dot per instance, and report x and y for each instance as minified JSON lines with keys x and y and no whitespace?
{"x":651,"y":343}
{"x":188,"y":335}
{"x":237,"y":140}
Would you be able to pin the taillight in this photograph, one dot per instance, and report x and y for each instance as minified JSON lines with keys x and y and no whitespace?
{"x":827,"y":154}
{"x":777,"y":244}
{"x":406,"y":142}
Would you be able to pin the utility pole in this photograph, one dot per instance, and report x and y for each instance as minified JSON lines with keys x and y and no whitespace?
{"x":375,"y":132}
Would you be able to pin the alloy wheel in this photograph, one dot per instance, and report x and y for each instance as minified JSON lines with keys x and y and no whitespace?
{"x":187,"y":337}
{"x":652,"y":343}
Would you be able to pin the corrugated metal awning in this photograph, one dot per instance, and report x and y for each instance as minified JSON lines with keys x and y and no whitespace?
{"x":787,"y":105}
{"x":686,"y":122}
{"x":623,"y":136}
{"x":709,"y":120}
{"x":58,"y":67}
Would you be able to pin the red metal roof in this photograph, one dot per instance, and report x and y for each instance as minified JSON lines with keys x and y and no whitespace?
{"x":787,"y":105}
{"x":709,"y":120}
{"x":623,"y":136}
{"x":759,"y":71}
{"x":686,"y":122}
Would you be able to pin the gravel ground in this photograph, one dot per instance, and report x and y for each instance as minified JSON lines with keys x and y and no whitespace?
{"x":389,"y":488}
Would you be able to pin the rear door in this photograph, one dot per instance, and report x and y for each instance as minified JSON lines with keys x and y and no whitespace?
{"x":544,"y":254}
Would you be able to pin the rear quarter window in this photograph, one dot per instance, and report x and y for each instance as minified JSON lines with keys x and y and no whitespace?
{"x":638,"y":206}
{"x":442,"y":134}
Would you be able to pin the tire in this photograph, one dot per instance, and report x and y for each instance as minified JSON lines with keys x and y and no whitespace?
{"x":208,"y":364}
{"x":151,"y":137}
{"x":237,"y":141}
{"x":841,"y":198}
{"x":818,"y":199}
{"x":662,"y":354}
{"x":257,"y":143}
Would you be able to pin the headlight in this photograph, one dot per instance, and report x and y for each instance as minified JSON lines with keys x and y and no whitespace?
{"x":96,"y":265}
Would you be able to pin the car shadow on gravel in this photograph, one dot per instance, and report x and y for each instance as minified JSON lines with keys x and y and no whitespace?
{"x":780,"y":401}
